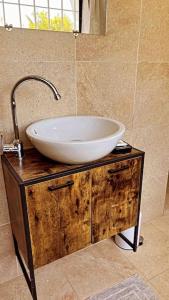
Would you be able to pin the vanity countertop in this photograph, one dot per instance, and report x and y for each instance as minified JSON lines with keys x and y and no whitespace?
{"x":35,"y":167}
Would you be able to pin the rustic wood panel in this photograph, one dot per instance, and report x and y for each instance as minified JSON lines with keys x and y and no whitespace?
{"x":59,"y":219}
{"x":15,"y":210}
{"x":34,"y":165}
{"x":115,"y":198}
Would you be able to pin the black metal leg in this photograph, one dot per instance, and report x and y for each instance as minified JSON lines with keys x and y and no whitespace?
{"x":135,"y":245}
{"x":33,"y":285}
{"x":29,"y":279}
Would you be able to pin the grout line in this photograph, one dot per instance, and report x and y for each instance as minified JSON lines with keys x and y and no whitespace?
{"x":37,"y":61}
{"x":107,"y":61}
{"x":160,"y":230}
{"x":123,"y":62}
{"x":153,"y":62}
{"x":5,"y":224}
{"x":74,"y":290}
{"x":155,"y":125}
{"x":85,"y":61}
{"x":167,"y":269}
{"x":137,"y":61}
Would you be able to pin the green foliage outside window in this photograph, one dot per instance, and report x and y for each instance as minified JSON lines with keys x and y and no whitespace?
{"x":56,"y":23}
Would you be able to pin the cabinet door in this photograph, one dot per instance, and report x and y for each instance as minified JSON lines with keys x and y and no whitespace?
{"x":115,"y":196}
{"x":59,"y":216}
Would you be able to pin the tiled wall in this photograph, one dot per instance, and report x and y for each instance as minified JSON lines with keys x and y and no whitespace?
{"x":123,"y":75}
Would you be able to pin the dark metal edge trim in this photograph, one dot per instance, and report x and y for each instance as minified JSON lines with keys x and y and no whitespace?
{"x":139,"y":205}
{"x":21,"y":263}
{"x":81,"y":169}
{"x":28,"y":244}
{"x":134,"y":244}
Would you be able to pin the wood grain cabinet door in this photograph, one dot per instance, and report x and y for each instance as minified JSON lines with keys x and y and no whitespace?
{"x":59,"y":216}
{"x":115,"y":196}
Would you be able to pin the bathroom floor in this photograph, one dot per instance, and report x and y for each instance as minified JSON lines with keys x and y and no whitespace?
{"x":100,"y":266}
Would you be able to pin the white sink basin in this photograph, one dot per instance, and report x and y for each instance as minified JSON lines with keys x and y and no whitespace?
{"x":75,"y":139}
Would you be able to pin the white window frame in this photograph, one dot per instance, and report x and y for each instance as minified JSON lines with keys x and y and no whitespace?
{"x":35,"y":7}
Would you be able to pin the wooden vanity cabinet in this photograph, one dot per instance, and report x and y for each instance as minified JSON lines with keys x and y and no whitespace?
{"x":56,"y":209}
{"x":59,"y":216}
{"x":115,"y":198}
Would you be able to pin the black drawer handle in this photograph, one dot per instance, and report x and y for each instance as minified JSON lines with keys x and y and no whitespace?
{"x":112,"y":171}
{"x":60,"y":186}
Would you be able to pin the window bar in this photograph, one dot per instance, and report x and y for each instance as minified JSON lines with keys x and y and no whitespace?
{"x":48,"y":15}
{"x":74,"y":12}
{"x":35,"y":16}
{"x":20,"y":18}
{"x":37,"y":6}
{"x":34,"y":6}
{"x":62,"y":14}
{"x":3,"y":7}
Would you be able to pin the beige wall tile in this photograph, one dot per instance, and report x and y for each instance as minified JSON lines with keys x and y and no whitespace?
{"x":154,"y":31}
{"x":153,"y":196}
{"x":106,"y":89}
{"x":154,"y":141}
{"x":128,"y":136}
{"x":22,"y":45}
{"x":121,"y":41}
{"x":4,"y":216}
{"x":34,"y":100}
{"x":151,"y":104}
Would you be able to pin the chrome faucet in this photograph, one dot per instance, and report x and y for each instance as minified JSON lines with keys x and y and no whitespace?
{"x":17,"y":145}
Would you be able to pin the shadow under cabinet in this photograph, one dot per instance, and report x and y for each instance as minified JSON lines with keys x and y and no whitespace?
{"x":57,"y":209}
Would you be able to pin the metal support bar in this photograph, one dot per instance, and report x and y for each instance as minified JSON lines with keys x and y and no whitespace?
{"x":29,"y":279}
{"x":134,"y":245}
{"x":21,"y":263}
{"x":32,"y":285}
{"x":126,"y":240}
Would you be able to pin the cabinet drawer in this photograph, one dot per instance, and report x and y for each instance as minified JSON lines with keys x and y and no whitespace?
{"x":115,"y":195}
{"x":59,"y":216}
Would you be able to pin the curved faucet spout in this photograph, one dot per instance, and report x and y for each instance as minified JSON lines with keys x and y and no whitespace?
{"x":13,"y":102}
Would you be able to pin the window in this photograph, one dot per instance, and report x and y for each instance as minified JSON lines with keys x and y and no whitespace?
{"x":59,"y":15}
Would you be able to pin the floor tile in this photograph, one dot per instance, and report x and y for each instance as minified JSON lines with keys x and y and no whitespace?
{"x":7,"y":290}
{"x":100,"y":266}
{"x":160,"y":283}
{"x":162,"y":224}
{"x":153,"y":257}
{"x":8,"y":268}
{"x":107,"y":251}
{"x":89,"y":275}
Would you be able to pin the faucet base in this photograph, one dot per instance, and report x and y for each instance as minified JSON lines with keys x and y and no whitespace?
{"x":15,"y":147}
